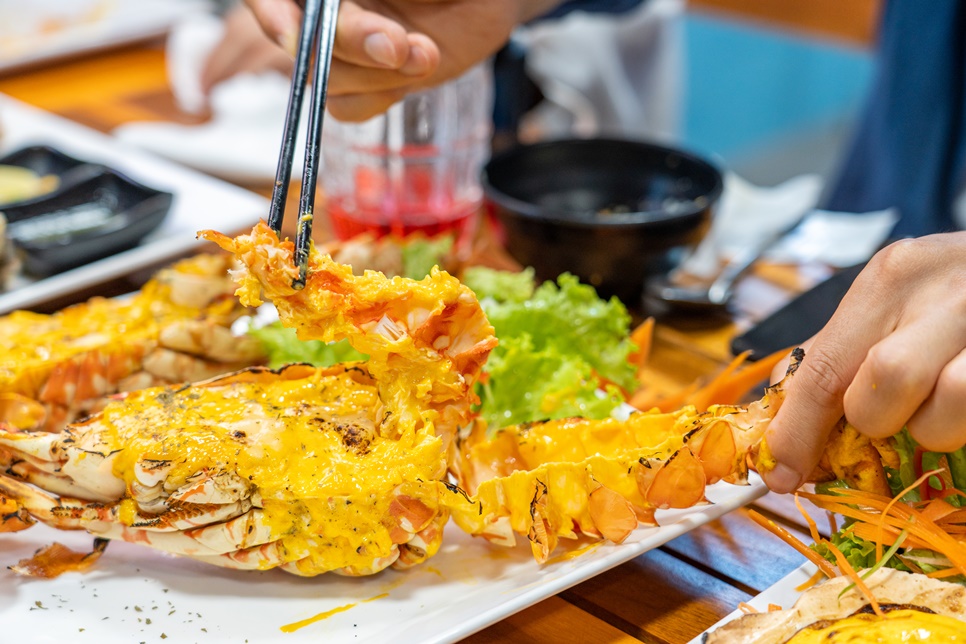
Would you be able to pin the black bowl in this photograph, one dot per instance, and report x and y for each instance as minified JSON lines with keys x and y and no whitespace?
{"x":613,"y":212}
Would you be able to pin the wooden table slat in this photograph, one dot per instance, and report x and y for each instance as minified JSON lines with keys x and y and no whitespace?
{"x":662,"y":597}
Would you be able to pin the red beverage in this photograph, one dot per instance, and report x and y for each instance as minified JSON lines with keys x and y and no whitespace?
{"x":415,"y":195}
{"x":349,"y":223}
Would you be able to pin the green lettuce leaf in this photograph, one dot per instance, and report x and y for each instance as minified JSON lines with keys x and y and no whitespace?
{"x":526,"y":384}
{"x":558,"y":349}
{"x":420,"y":255}
{"x":500,"y":286}
{"x":283,"y":347}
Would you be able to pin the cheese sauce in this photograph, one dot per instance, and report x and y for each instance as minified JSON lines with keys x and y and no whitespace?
{"x":33,"y":345}
{"x":895,"y":626}
{"x":315,"y":449}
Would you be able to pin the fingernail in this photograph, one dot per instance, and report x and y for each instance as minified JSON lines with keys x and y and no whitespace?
{"x":380,"y":49}
{"x":783,"y":479}
{"x":289,"y":42}
{"x":418,"y":63}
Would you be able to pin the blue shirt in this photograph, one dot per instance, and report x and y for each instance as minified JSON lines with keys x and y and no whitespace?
{"x":909,"y":144}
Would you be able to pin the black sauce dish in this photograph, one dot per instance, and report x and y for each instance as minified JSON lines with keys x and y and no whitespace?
{"x":613,"y":212}
{"x":45,"y":161}
{"x":98,"y":213}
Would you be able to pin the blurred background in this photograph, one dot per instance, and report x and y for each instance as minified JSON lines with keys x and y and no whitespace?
{"x":767,"y":87}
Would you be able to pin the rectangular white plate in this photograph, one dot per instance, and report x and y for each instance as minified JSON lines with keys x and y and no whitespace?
{"x":200,"y":201}
{"x":42,"y":30}
{"x":781,"y":593}
{"x":467,"y":586}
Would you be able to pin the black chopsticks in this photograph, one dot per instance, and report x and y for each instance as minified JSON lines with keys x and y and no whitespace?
{"x":316,"y":41}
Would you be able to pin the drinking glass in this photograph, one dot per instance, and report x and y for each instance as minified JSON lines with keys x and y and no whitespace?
{"x":414,"y":168}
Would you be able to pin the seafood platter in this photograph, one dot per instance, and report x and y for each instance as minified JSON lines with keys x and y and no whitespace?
{"x":371,"y":471}
{"x":159,"y":480}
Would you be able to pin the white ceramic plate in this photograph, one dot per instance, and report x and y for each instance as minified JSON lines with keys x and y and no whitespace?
{"x":200,"y":201}
{"x":134,"y":594}
{"x":781,"y":593}
{"x":42,"y":30}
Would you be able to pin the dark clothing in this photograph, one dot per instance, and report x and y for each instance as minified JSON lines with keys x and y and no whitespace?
{"x":910,"y":142}
{"x":609,"y":6}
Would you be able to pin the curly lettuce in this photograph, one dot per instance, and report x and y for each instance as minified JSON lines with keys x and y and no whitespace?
{"x":563,"y":350}
{"x":283,"y":347}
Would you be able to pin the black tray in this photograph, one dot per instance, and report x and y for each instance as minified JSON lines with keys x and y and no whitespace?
{"x":99,"y":215}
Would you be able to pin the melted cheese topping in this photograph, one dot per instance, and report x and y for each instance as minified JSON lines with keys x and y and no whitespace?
{"x":894,"y":626}
{"x":313,"y":452}
{"x":427,"y":340}
{"x":33,"y":345}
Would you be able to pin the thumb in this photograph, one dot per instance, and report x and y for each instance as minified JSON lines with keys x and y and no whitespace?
{"x":813,"y":405}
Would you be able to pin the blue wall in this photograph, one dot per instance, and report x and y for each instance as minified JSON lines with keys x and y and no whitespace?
{"x":748,"y":85}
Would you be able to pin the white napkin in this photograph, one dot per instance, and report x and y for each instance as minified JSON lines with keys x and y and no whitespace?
{"x":241,"y":140}
{"x":837,"y":239}
{"x":606,"y":74}
{"x":749,"y":215}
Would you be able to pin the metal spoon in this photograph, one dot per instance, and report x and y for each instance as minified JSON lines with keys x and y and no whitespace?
{"x":717,"y":295}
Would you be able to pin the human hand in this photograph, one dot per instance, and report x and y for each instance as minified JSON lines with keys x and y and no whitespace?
{"x":892,"y":356}
{"x":243,"y":47}
{"x":385,"y":49}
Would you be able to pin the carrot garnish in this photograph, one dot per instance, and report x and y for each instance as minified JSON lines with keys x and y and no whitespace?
{"x":642,"y":337}
{"x":921,"y":480}
{"x":882,"y":520}
{"x":814,"y":579}
{"x":731,"y":388}
{"x":812,"y":528}
{"x":773,"y":607}
{"x":791,"y":540}
{"x":747,"y":608}
{"x":847,"y":568}
{"x":942,"y":574}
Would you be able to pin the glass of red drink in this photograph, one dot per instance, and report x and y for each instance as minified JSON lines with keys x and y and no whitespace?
{"x":414,"y":168}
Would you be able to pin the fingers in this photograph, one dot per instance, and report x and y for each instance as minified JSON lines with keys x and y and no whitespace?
{"x":281,"y":20}
{"x":351,"y":79}
{"x":940,"y":424}
{"x":369,"y":39}
{"x":814,"y":396}
{"x":358,"y":93}
{"x":243,"y":48}
{"x":900,"y":373}
{"x":812,"y":406}
{"x":360,"y":107}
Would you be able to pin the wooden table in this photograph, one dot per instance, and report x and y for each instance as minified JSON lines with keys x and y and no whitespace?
{"x":668,"y":595}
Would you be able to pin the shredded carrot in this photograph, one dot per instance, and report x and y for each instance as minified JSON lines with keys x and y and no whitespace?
{"x":833,"y":525}
{"x":892,"y":502}
{"x":790,"y":539}
{"x":814,"y":579}
{"x":708,"y":394}
{"x":847,"y":568}
{"x":812,"y":528}
{"x":731,"y":389}
{"x":642,"y":337}
{"x":945,"y":572}
{"x":747,"y":608}
{"x":773,"y":607}
{"x":880,"y":519}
